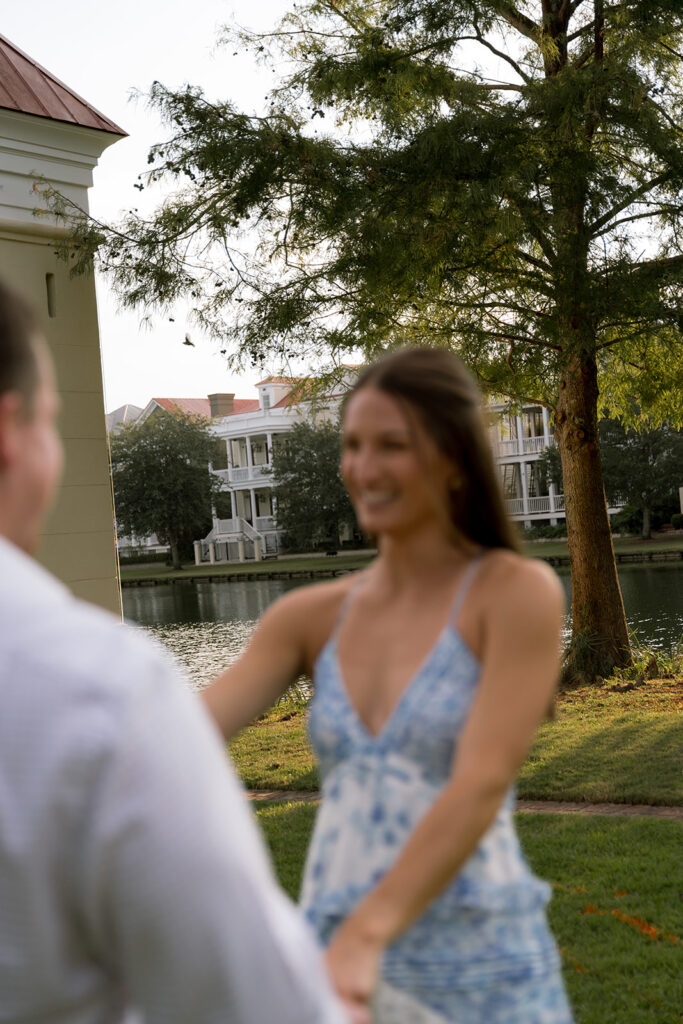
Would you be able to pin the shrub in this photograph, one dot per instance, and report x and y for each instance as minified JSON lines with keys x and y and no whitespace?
{"x":628,"y":520}
{"x":677,"y":520}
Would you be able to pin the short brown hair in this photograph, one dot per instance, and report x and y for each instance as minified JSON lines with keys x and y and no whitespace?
{"x":437,"y":386}
{"x":19,"y":331}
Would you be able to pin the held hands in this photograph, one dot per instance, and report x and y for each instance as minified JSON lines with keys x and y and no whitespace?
{"x":353,"y":963}
{"x":357,"y":1014}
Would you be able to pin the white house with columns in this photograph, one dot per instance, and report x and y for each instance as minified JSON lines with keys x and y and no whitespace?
{"x":249,"y":430}
{"x":245,"y":518}
{"x":246,"y":526}
{"x":245,"y":523}
{"x":519,"y":438}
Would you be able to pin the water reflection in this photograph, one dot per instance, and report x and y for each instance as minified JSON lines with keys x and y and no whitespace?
{"x":653,"y":601}
{"x":206,"y":625}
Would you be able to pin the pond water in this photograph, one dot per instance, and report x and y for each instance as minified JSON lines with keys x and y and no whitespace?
{"x":206,"y":625}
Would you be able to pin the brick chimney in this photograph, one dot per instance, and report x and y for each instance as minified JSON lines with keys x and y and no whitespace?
{"x":222,"y":405}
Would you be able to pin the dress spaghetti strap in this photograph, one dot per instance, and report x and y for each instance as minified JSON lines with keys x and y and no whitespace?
{"x":346,"y":604}
{"x":465,"y":584}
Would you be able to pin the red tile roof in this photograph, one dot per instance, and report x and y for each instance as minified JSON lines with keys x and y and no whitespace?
{"x":243,"y":405}
{"x":202,"y":406}
{"x":279,"y":380}
{"x":191,"y":406}
{"x":27,"y":87}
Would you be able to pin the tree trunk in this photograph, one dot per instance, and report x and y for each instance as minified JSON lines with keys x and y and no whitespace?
{"x":175,"y":553}
{"x":646,"y":531}
{"x":599,"y":632}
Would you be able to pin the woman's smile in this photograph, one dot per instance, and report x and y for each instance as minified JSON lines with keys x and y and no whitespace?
{"x":395,"y":475}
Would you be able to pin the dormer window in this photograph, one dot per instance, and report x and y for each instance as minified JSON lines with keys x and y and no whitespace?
{"x":266,"y":401}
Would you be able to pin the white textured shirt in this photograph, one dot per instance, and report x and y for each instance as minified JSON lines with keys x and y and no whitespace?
{"x":133,"y":882}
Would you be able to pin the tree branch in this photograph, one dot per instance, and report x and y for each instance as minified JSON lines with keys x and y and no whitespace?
{"x":629,"y":220}
{"x":479,"y":38}
{"x":522,"y":24}
{"x":666,"y":263}
{"x":594,"y":228}
{"x":501,"y":88}
{"x":584,"y":57}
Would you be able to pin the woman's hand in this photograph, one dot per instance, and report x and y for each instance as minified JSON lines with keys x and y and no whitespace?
{"x":353,"y":963}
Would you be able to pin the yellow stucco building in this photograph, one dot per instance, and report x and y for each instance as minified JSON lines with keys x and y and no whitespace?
{"x":47,"y":132}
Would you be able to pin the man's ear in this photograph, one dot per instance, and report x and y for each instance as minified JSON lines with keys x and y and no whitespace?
{"x":12,"y":418}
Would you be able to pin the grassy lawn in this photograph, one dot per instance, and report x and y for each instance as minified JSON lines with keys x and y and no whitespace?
{"x":313,"y":564}
{"x":616,"y":910}
{"x":610,"y":747}
{"x":601,"y":747}
{"x":624,"y":545}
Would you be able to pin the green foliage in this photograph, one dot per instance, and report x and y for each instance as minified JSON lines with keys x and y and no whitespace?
{"x":642,"y":468}
{"x":530,"y":216}
{"x":677,"y":520}
{"x":312,"y":503}
{"x":161,"y":478}
{"x":503,"y":214}
{"x":628,"y":519}
{"x":545,"y":532}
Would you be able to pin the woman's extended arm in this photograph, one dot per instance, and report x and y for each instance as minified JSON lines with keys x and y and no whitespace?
{"x":273,"y":660}
{"x":520,"y":660}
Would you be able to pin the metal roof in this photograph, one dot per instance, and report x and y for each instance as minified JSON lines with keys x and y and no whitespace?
{"x":28,"y":88}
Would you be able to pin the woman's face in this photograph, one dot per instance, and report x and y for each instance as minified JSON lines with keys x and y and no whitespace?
{"x":396,"y":477}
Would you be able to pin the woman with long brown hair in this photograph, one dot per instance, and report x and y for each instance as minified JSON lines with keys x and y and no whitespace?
{"x":431,"y":669}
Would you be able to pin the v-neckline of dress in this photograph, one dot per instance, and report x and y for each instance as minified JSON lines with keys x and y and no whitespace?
{"x":449,"y":630}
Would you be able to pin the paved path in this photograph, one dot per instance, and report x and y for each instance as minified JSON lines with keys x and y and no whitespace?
{"x":525,"y":806}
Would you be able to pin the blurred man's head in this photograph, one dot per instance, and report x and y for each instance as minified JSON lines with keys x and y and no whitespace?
{"x":30,"y":448}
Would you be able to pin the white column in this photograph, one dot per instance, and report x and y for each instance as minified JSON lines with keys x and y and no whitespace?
{"x":546,"y":425}
{"x":250,"y":462}
{"x":252,"y":495}
{"x":257,"y":550}
{"x":197,"y":553}
{"x":212,"y":553}
{"x":551,"y":492}
{"x":525,"y":488}
{"x":233,"y":505}
{"x":240,"y":550}
{"x":520,"y":435}
{"x":269,"y":441}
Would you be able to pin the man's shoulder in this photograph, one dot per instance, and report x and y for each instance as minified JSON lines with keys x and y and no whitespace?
{"x":52,"y":640}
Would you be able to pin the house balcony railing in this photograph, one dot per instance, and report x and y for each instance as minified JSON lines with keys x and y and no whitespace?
{"x":521,"y":446}
{"x":544,"y":505}
{"x":514,"y":506}
{"x":228,"y":527}
{"x":265,"y":523}
{"x":244,"y":474}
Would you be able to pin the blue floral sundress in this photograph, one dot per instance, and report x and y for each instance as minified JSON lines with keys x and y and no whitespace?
{"x":482,"y":952}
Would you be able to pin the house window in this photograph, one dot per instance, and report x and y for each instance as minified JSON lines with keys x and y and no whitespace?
{"x":219,"y":459}
{"x":508,"y":427}
{"x":266,"y":401}
{"x":532,"y":422}
{"x":538,"y":479}
{"x":511,"y":479}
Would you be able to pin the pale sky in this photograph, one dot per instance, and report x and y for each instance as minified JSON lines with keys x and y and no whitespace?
{"x":102,"y":51}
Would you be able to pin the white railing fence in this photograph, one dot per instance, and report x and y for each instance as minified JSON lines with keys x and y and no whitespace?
{"x":542,"y":505}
